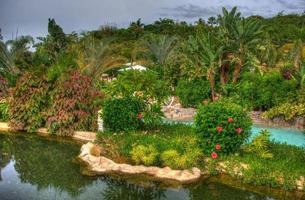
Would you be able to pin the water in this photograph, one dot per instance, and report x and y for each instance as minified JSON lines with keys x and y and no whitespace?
{"x":33,"y":168}
{"x":283,"y":135}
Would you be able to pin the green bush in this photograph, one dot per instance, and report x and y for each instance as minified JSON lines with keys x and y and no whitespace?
{"x":27,"y":103}
{"x":3,"y":111}
{"x":260,"y":145}
{"x":146,"y":155}
{"x":223,"y":127}
{"x":123,"y":114}
{"x":192,"y":92}
{"x":286,"y":110}
{"x":265,"y":91}
{"x":142,"y":84}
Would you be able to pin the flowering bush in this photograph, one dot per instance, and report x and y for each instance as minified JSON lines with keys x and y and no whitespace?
{"x":75,"y":104}
{"x":27,"y":102}
{"x":223,"y":127}
{"x":123,"y":114}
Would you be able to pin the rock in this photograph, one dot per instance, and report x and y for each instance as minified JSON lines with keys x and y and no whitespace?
{"x":102,"y":165}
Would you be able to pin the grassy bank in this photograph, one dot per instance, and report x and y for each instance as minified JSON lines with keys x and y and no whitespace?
{"x":281,"y":171}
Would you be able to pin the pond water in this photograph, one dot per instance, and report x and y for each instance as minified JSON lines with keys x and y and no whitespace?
{"x":32,"y":167}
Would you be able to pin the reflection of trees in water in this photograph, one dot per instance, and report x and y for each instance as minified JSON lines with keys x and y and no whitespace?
{"x":5,"y":154}
{"x":120,"y":189}
{"x":217,"y":191}
{"x":46,"y":163}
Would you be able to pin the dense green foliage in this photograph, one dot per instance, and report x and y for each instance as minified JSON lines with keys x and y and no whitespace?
{"x":223,"y":127}
{"x":123,"y":114}
{"x":191,"y":93}
{"x":286,"y":110}
{"x":266,"y":91}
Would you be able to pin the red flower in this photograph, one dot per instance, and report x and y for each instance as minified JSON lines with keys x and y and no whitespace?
{"x":140,"y":116}
{"x":217,"y":146}
{"x":219,"y":129}
{"x":214,"y":155}
{"x":230,"y":120}
{"x":238,"y":130}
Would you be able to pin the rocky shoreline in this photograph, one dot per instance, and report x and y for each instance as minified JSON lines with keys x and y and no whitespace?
{"x":101,"y":165}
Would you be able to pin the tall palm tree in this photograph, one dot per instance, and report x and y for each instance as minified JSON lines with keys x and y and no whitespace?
{"x":246,"y":37}
{"x":94,"y":57}
{"x":240,"y":37}
{"x":203,"y":52}
{"x":160,"y":47}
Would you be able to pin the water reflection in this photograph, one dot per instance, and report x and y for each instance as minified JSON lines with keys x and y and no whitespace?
{"x":36,"y":168}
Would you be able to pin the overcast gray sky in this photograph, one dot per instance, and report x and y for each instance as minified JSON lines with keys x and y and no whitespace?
{"x":30,"y":17}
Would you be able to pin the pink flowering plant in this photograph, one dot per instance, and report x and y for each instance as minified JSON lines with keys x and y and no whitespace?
{"x":75,"y":102}
{"x":223,"y":128}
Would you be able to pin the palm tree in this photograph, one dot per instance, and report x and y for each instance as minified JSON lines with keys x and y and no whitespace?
{"x":240,"y":37}
{"x":94,"y":57}
{"x":203,"y":52}
{"x":19,"y":49}
{"x":160,"y":47}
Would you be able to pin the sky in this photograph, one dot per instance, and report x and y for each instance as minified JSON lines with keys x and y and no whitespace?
{"x":30,"y":17}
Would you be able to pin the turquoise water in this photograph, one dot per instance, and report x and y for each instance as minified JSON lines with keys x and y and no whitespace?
{"x":35,"y":168}
{"x":283,"y":135}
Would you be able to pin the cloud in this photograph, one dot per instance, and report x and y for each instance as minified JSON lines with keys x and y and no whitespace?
{"x":292,"y":5}
{"x":190,"y":11}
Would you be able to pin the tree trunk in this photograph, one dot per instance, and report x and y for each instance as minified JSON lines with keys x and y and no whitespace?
{"x":224,"y":73}
{"x":211,"y":79}
{"x":237,"y":70}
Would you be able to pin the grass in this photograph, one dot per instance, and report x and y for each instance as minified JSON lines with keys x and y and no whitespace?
{"x":118,"y":146}
{"x":286,"y":166}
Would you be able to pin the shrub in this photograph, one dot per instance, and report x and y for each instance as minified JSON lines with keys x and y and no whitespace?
{"x":223,"y":127}
{"x":143,"y":84}
{"x":192,"y":92}
{"x":75,"y":104}
{"x":287,"y":110}
{"x":123,"y":114}
{"x":173,"y":159}
{"x":266,"y":91}
{"x":260,"y":145}
{"x":3,"y":111}
{"x":27,"y":103}
{"x":146,"y":155}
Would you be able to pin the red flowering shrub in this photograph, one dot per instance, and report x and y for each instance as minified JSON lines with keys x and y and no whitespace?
{"x":27,"y":101}
{"x":223,"y":127}
{"x":3,"y":87}
{"x":75,"y":102}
